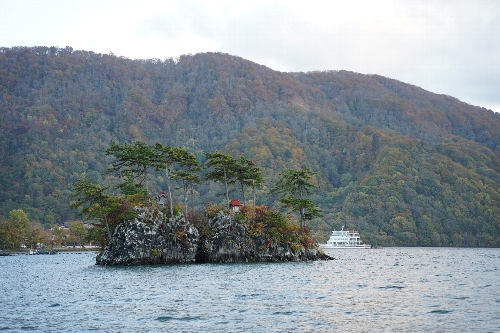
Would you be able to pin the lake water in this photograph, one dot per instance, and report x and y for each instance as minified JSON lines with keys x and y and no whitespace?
{"x":371,"y":290}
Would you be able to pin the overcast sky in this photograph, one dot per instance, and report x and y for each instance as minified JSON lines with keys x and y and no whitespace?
{"x":446,"y":46}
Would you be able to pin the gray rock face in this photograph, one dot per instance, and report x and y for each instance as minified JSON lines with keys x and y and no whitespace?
{"x":152,"y":239}
{"x":232,"y":243}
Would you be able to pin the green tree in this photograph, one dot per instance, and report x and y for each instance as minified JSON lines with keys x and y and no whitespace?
{"x":19,"y":219}
{"x":96,"y":205}
{"x":78,"y":229}
{"x":7,"y":234}
{"x":18,"y":224}
{"x":137,"y":159}
{"x":222,"y":170}
{"x":246,"y":173}
{"x":293,"y":186}
{"x":33,"y":234}
{"x":130,"y":188}
{"x":187,"y":172}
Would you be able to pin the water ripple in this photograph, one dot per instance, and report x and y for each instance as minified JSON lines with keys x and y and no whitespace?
{"x":440,"y":311}
{"x":392,"y":289}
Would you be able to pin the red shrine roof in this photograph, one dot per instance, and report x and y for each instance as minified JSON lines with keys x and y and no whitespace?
{"x":235,"y":203}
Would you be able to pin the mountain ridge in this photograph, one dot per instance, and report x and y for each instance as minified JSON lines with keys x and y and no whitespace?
{"x":61,"y":108}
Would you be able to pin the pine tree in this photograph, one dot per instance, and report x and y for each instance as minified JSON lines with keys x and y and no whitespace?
{"x":167,"y":158}
{"x":294,"y":185}
{"x":187,"y":172}
{"x":222,"y":170}
{"x":136,"y":158}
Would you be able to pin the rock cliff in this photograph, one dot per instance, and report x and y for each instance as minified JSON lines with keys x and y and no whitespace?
{"x":231,"y":242}
{"x":153,"y":239}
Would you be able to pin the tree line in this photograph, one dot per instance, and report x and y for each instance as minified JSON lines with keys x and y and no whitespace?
{"x":18,"y":231}
{"x":403,"y":166}
{"x":135,"y":163}
{"x":107,"y":206}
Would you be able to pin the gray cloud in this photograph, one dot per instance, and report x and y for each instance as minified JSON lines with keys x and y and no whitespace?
{"x":448,"y":47}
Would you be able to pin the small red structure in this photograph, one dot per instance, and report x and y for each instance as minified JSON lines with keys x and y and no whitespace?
{"x":235,"y":205}
{"x":161,"y":199}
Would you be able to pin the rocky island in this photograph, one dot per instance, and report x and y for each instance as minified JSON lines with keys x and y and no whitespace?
{"x":135,"y":228}
{"x":152,"y":238}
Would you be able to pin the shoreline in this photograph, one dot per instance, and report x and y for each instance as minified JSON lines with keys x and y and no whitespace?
{"x":5,"y":253}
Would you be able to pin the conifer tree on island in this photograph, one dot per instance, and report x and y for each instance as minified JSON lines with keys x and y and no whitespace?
{"x":187,"y":172}
{"x":167,"y":158}
{"x":96,"y":205}
{"x":247,"y":174}
{"x":136,"y":158}
{"x":293,"y":186}
{"x":222,"y":170}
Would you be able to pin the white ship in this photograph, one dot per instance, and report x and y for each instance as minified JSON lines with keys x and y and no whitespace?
{"x":344,"y":239}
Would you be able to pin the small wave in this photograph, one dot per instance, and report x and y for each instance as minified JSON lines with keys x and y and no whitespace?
{"x":286,"y":313}
{"x":441,"y":311}
{"x":54,"y":305}
{"x":392,"y":287}
{"x":169,"y":318}
{"x":247,"y":295}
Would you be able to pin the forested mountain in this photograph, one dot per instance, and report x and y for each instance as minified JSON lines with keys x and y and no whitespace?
{"x":402,"y":165}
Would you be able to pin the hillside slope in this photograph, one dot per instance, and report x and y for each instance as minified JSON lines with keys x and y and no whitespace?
{"x":401,"y":164}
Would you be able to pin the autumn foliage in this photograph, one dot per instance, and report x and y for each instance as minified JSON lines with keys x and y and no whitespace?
{"x":402,"y":165}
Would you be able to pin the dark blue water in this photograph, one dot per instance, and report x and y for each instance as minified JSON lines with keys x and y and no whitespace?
{"x":382,"y":290}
